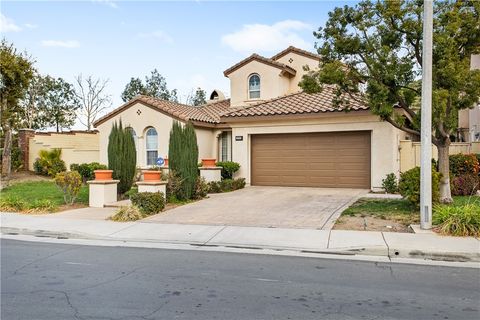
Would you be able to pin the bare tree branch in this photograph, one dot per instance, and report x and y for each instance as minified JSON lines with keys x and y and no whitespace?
{"x":92,"y":97}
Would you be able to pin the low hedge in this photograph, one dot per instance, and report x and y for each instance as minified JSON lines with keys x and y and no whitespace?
{"x":86,"y":170}
{"x":409,"y":185}
{"x":148,"y":202}
{"x":228,"y":168}
{"x":226,"y":185}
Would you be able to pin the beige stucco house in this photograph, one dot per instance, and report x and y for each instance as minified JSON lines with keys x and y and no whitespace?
{"x":279,"y":135}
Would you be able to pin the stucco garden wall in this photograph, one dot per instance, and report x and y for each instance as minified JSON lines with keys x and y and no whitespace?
{"x":140,"y":118}
{"x":384,"y":144}
{"x":410,"y":152}
{"x":77,"y":147}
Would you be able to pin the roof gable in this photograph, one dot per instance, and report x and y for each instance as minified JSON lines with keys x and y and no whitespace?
{"x":208,"y":113}
{"x":298,"y":51}
{"x":259,"y":58}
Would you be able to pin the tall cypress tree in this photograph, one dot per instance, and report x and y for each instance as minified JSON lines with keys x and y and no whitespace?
{"x":183,"y":157}
{"x":122,"y":156}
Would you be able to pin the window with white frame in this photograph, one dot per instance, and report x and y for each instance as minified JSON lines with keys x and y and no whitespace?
{"x":151,"y":146}
{"x":254,"y":86}
{"x":226,"y":146}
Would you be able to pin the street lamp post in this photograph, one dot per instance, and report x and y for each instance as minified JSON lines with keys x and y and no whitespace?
{"x":426,"y":121}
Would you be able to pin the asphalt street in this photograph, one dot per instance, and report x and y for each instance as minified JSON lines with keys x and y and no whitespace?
{"x":58,"y":281}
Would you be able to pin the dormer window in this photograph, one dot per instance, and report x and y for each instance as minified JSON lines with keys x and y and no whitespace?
{"x":254,"y":86}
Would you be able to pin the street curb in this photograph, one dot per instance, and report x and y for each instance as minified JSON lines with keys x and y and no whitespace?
{"x":391,"y":253}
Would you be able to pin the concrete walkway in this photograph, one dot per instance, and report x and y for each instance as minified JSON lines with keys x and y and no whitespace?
{"x":267,"y":207}
{"x":392,"y":245}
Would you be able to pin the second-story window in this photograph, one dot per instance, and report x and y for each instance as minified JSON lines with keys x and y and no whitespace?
{"x":254,"y":86}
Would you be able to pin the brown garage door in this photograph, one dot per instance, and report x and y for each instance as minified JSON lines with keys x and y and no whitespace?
{"x":340,"y":159}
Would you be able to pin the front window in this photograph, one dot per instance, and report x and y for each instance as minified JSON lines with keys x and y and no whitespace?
{"x":226,"y":146}
{"x":254,"y":86}
{"x":152,"y":146}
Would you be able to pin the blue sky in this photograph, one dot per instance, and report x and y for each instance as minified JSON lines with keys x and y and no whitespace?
{"x":190,"y":43}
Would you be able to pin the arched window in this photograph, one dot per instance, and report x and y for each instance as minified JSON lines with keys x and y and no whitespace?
{"x":151,"y":145}
{"x":254,"y":86}
{"x":134,"y":135}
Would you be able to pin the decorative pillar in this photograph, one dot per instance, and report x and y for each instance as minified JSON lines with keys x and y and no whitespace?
{"x":211,"y":173}
{"x":102,"y":192}
{"x":24,"y":136}
{"x":152,"y":186}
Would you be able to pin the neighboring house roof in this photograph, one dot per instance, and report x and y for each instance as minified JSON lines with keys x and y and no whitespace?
{"x":298,"y":51}
{"x":259,"y":58}
{"x":208,"y":113}
{"x":296,"y":103}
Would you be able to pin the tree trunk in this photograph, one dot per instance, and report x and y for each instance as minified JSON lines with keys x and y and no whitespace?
{"x":6,"y":155}
{"x":444,"y":169}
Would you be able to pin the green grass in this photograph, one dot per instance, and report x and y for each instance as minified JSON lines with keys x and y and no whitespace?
{"x":42,"y":195}
{"x":394,"y":209}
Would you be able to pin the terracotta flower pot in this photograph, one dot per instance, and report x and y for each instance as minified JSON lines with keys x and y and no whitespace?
{"x":151,"y":175}
{"x":165,"y":164}
{"x":103,"y":174}
{"x":209,"y":162}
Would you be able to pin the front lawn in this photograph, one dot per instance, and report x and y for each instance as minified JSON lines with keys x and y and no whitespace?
{"x":37,"y":196}
{"x":385,"y":214}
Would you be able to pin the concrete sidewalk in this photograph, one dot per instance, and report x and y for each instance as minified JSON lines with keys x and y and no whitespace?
{"x":387,"y":244}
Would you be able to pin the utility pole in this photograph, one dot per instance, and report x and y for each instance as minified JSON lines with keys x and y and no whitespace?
{"x":426,"y":121}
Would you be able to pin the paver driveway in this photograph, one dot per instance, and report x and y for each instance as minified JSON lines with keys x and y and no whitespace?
{"x":281,"y":207}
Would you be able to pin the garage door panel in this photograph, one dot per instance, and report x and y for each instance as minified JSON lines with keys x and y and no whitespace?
{"x":312,"y":159}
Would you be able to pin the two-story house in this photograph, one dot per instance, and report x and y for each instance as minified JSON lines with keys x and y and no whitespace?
{"x":279,"y":135}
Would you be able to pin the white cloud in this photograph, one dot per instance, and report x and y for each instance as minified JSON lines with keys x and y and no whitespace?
{"x":109,"y":3}
{"x":8,"y":25}
{"x":30,"y":26}
{"x":262,"y":37}
{"x":61,"y":44}
{"x":159,"y":35}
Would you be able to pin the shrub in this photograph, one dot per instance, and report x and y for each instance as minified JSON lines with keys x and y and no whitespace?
{"x":18,"y":205}
{"x":16,"y":158}
{"x":131,"y":192}
{"x":149,"y":202}
{"x":409,"y":185}
{"x":86,"y":170}
{"x":130,"y":213}
{"x":465,"y":185}
{"x":228,"y":168}
{"x":201,"y":188}
{"x":226,"y":185}
{"x":390,"y":183}
{"x":238,"y":183}
{"x":122,"y":156}
{"x":70,"y":184}
{"x":49,"y":163}
{"x":12,"y":204}
{"x":174,"y":184}
{"x":464,"y":164}
{"x":458,"y":220}
{"x":183,"y":157}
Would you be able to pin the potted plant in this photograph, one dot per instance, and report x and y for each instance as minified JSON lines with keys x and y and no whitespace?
{"x":152,"y":174}
{"x":103,"y":174}
{"x":209,"y":162}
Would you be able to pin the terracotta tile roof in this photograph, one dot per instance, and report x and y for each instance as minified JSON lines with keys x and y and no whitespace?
{"x":261,"y":59}
{"x":208,"y":113}
{"x":297,"y":50}
{"x":296,"y":103}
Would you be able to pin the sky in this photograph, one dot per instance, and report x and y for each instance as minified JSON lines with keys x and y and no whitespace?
{"x":191,"y":43}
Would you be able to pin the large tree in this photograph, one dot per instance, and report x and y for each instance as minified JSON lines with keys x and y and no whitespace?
{"x":92,"y":98}
{"x":197,"y":98}
{"x":16,"y":70}
{"x":155,"y":86}
{"x":373,"y":50}
{"x":31,"y":104}
{"x":58,"y":103}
